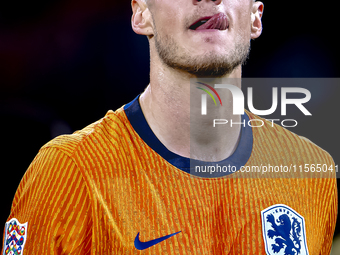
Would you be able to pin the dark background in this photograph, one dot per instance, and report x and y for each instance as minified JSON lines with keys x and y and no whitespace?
{"x":63,"y":64}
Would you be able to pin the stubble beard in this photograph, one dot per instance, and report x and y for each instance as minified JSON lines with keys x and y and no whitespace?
{"x":209,"y":64}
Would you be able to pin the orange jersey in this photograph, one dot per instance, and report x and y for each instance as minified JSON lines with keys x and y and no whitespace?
{"x":112,"y":188}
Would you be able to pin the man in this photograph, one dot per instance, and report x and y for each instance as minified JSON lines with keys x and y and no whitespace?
{"x":125,"y":184}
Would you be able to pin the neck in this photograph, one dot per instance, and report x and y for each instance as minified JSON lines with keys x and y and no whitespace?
{"x":172,"y":108}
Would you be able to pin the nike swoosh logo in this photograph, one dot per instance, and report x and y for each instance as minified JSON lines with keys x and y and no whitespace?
{"x":144,"y":245}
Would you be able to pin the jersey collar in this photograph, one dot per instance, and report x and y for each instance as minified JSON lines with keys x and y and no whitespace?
{"x":238,"y":159}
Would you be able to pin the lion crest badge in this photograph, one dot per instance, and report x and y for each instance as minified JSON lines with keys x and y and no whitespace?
{"x":284,"y":231}
{"x":15,"y":237}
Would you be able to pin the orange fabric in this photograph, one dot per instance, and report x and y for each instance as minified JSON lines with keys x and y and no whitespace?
{"x":93,"y":191}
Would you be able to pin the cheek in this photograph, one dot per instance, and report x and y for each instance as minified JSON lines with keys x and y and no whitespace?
{"x":167,"y":18}
{"x":243,"y":25}
{"x":242,"y":17}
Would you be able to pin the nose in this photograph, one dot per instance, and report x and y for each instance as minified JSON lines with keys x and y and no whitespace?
{"x":215,"y":1}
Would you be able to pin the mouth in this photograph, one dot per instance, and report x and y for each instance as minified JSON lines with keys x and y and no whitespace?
{"x":219,"y":22}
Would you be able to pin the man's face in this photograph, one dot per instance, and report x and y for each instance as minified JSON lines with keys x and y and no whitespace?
{"x":213,"y":49}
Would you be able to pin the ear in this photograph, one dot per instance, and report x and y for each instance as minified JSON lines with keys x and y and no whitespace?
{"x":141,"y":18}
{"x":256,"y":23}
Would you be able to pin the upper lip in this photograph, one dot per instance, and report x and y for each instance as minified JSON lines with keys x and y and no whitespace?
{"x":221,"y":25}
{"x":196,"y":22}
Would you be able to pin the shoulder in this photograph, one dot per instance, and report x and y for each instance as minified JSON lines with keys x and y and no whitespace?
{"x":108,"y":127}
{"x":276,"y":137}
{"x":101,"y":148}
{"x":61,"y":159}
